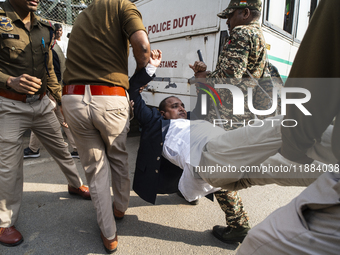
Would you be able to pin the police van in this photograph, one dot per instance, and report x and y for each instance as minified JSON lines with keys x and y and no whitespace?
{"x":182,"y":27}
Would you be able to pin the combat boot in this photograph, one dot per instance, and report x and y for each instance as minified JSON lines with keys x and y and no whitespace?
{"x":229,"y":234}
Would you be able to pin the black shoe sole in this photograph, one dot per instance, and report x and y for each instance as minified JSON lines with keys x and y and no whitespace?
{"x":110,"y":251}
{"x":231,"y":241}
{"x":118,"y":218}
{"x":195,"y":202}
{"x":12,"y":244}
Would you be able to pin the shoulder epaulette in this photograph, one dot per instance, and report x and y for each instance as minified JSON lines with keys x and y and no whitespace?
{"x":45,"y":22}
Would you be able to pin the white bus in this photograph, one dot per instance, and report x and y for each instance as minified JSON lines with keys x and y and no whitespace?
{"x":181,"y":27}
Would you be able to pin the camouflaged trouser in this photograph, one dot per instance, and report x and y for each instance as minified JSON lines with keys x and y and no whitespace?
{"x":231,"y":203}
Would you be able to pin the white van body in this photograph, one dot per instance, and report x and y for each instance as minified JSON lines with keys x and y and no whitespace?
{"x":181,"y":27}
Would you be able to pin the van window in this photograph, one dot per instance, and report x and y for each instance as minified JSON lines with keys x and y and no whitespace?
{"x":280,"y":14}
{"x":289,"y":17}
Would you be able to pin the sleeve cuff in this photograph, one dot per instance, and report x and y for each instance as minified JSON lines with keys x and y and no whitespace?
{"x":3,"y":81}
{"x":150,"y":69}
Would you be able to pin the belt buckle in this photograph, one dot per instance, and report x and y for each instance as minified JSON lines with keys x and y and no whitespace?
{"x":32,"y":98}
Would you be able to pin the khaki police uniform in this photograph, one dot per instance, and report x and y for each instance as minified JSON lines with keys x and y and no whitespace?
{"x":319,"y":66}
{"x":35,"y":144}
{"x":95,"y":103}
{"x":310,"y":223}
{"x":26,"y":52}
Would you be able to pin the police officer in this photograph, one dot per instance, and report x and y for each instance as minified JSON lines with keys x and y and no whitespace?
{"x":96,"y":105}
{"x":32,"y":151}
{"x":26,"y":71}
{"x":242,"y":58}
{"x":309,"y":224}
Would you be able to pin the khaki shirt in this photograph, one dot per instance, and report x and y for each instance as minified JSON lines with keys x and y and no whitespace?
{"x":98,"y":48}
{"x":26,"y":52}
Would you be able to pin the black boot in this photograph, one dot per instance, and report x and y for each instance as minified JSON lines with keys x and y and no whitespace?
{"x":229,"y":234}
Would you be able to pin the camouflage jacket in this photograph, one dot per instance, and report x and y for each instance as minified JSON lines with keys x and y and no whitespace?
{"x":246,"y":50}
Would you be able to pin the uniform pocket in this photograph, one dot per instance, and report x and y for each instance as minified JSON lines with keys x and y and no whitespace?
{"x":44,"y":49}
{"x":14,"y":49}
{"x":118,"y":107}
{"x":116,"y":115}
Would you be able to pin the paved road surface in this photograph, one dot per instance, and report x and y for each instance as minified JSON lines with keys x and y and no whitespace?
{"x":54,"y":222}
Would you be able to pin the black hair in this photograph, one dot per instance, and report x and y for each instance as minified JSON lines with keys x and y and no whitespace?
{"x":57,"y":26}
{"x":255,"y":14}
{"x":162,"y":104}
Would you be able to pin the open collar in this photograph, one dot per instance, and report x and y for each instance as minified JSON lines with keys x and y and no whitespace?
{"x":10,"y":13}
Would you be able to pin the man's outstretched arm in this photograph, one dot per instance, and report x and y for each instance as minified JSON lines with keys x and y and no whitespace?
{"x":140,"y":79}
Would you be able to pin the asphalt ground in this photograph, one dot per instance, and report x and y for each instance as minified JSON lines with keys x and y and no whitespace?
{"x":55,"y":222}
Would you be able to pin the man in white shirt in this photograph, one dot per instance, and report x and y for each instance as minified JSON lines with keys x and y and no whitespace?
{"x":58,"y":34}
{"x":235,"y":159}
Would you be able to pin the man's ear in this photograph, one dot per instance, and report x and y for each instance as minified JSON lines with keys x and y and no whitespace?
{"x":162,"y":113}
{"x":246,"y":13}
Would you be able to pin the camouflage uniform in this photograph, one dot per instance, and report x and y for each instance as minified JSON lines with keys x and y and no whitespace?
{"x":246,"y":50}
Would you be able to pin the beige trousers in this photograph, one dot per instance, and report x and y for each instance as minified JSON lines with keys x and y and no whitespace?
{"x":99,"y":125}
{"x":15,"y":118}
{"x":252,"y":154}
{"x":35,"y":144}
{"x":309,"y":224}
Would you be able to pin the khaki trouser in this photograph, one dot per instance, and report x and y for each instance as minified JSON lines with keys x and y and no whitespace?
{"x":319,"y":73}
{"x":15,"y":118}
{"x":34,"y":144}
{"x":309,"y":224}
{"x":253,"y":152}
{"x":99,"y":125}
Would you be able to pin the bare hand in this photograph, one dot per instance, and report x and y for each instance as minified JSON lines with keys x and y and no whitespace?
{"x":64,"y":124}
{"x":24,"y":84}
{"x":132,"y":104}
{"x":198,"y":66}
{"x":142,"y":88}
{"x":202,"y":74}
{"x":155,"y":57}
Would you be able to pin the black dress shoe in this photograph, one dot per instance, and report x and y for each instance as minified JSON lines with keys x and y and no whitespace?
{"x":229,"y":234}
{"x":195,"y":202}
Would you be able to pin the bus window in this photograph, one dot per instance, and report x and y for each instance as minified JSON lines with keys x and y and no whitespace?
{"x":303,"y":18}
{"x":280,"y":13}
{"x":289,"y":17}
{"x":275,"y":12}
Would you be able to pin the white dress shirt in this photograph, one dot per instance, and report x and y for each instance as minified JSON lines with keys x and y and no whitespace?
{"x":183,"y":146}
{"x":63,"y":46}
